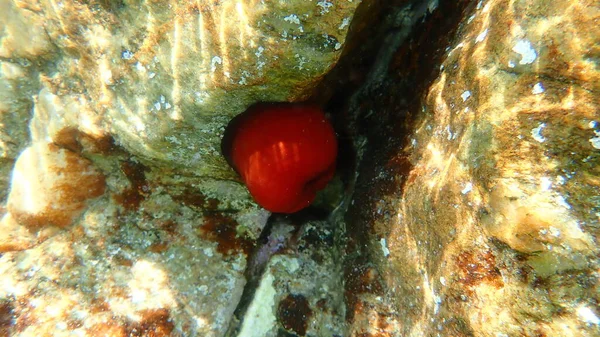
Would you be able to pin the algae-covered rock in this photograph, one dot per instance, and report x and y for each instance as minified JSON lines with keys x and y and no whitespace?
{"x":15,"y":112}
{"x":473,"y":209}
{"x":122,"y":216}
{"x":166,"y":77}
{"x":295,"y":283}
{"x":484,"y":220}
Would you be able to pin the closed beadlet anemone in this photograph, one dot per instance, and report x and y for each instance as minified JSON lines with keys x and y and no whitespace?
{"x":284,"y":152}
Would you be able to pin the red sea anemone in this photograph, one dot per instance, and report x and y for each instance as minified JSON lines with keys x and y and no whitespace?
{"x":284,"y":152}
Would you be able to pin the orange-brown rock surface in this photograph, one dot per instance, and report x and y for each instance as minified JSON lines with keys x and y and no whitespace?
{"x":50,"y":186}
{"x":483,"y":220}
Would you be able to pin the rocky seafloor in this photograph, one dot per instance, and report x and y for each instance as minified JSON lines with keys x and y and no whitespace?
{"x":466,"y":200}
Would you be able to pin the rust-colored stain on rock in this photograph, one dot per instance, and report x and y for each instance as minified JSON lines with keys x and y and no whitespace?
{"x":154,"y":323}
{"x":77,"y":141}
{"x":196,"y":199}
{"x":223,"y":230}
{"x":6,"y":314}
{"x":131,"y":197}
{"x":294,"y":313}
{"x":50,"y":186}
{"x":477,"y":268}
{"x":359,"y":279}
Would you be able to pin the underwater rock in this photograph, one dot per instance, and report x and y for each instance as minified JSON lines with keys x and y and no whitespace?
{"x":129,"y":100}
{"x":484,"y":219}
{"x":50,"y":186}
{"x":475,"y":208}
{"x":165,"y":78}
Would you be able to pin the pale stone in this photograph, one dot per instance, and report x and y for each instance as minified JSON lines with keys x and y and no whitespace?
{"x":22,"y":31}
{"x":50,"y":186}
